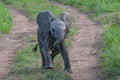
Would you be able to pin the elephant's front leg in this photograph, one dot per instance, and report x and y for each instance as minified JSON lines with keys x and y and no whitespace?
{"x":46,"y":54}
{"x":65,"y":57}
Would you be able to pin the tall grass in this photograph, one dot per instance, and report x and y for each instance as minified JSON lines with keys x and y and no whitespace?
{"x":5,"y":20}
{"x":111,"y":52}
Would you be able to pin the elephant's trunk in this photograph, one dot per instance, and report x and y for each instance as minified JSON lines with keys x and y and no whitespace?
{"x":58,"y":40}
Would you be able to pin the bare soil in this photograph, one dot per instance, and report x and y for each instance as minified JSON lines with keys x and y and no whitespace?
{"x":83,"y":52}
{"x":22,"y":27}
{"x":85,"y":46}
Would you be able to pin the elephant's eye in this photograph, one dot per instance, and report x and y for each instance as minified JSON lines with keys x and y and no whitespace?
{"x":53,"y":30}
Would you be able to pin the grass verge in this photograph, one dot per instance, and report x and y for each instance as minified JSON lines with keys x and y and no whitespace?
{"x":111,"y":52}
{"x":5,"y":20}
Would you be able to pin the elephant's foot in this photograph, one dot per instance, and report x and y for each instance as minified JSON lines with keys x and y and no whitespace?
{"x":46,"y":67}
{"x":68,"y":70}
{"x":50,"y":67}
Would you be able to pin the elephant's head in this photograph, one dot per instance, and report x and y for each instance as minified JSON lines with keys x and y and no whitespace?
{"x":59,"y":28}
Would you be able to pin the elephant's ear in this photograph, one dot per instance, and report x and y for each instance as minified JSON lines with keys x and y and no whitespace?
{"x":65,"y":17}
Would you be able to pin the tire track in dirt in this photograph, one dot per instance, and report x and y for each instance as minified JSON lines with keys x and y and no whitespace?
{"x":85,"y":46}
{"x":22,"y":27}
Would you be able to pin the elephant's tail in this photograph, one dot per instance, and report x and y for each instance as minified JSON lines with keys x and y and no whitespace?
{"x":35,"y":48}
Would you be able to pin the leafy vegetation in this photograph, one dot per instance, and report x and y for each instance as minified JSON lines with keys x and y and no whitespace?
{"x":5,"y":20}
{"x":27,"y":64}
{"x":106,"y":13}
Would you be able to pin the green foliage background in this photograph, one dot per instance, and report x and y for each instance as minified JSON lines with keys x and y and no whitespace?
{"x":5,"y":19}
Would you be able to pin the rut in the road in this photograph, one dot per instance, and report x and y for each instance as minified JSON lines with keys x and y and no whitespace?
{"x":9,"y":43}
{"x":85,"y":45}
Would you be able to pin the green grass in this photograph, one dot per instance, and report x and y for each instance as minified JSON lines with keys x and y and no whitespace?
{"x":32,"y":8}
{"x":5,"y":20}
{"x":69,"y":37}
{"x":27,"y":64}
{"x":111,"y":52}
{"x":108,"y":18}
{"x":96,"y":7}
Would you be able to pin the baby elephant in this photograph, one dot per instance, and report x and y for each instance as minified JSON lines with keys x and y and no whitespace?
{"x":51,"y":34}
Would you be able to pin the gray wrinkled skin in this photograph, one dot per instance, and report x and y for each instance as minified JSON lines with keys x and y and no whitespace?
{"x":50,"y":35}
